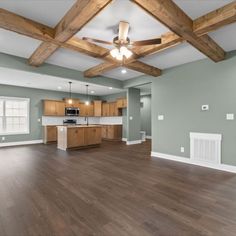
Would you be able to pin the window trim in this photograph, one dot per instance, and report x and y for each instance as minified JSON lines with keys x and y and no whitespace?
{"x":28,"y":114}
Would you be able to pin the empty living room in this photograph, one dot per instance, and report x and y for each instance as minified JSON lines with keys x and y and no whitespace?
{"x":117,"y":117}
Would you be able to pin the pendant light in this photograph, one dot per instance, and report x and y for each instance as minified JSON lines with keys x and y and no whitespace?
{"x":87,"y":101}
{"x":70,"y":99}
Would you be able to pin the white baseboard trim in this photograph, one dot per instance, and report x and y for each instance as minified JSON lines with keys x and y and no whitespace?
{"x":223,"y":167}
{"x":148,"y":137}
{"x":21,"y":143}
{"x":124,"y":139}
{"x":133,"y":142}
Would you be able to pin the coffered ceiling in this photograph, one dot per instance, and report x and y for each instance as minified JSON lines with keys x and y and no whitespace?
{"x":104,"y":26}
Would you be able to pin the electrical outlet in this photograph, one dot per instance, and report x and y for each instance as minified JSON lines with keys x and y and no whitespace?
{"x":39,"y":120}
{"x":181,"y":149}
{"x":230,"y":116}
{"x":131,"y":118}
{"x":3,"y":138}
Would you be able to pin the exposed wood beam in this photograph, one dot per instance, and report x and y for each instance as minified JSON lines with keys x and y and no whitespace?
{"x":99,"y":69}
{"x":13,"y":22}
{"x":167,"y":12}
{"x":134,"y":65}
{"x":215,"y":19}
{"x":143,"y":68}
{"x":80,"y":13}
{"x":18,"y":24}
{"x":201,"y":26}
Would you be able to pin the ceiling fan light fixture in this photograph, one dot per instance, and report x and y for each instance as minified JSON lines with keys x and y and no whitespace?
{"x":121,"y":52}
{"x":114,"y":52}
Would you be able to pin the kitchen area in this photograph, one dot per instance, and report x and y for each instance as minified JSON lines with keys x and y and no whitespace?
{"x":73,"y":123}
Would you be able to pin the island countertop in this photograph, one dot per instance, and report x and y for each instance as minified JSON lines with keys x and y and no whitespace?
{"x":78,"y":136}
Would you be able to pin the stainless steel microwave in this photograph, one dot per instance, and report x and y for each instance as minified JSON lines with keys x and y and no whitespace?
{"x":72,"y":111}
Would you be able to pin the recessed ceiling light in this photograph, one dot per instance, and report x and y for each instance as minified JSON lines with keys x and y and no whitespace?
{"x":92,"y":91}
{"x":110,"y":88}
{"x":123,"y":71}
{"x":59,"y":87}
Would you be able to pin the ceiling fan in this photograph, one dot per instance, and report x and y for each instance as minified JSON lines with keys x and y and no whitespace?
{"x":122,"y":43}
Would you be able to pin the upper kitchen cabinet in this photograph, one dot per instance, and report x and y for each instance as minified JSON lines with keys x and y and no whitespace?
{"x":97,"y":108}
{"x":121,"y":103}
{"x":86,"y":110}
{"x":105,"y":109}
{"x":75,"y":102}
{"x":53,"y":108}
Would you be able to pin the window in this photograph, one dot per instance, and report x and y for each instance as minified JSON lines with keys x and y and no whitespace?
{"x":14,"y":115}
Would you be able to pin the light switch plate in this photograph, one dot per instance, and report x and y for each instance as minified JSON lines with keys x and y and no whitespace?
{"x":230,"y":116}
{"x":161,"y":117}
{"x":181,"y":149}
{"x":131,"y":118}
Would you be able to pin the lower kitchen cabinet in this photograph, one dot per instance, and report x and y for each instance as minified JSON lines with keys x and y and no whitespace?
{"x":93,"y":136}
{"x":112,"y":132}
{"x":49,"y":134}
{"x":75,"y":137}
{"x":78,"y":136}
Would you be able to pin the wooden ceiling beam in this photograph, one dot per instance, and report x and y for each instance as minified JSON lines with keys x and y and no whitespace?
{"x":215,"y":19}
{"x":21,"y":25}
{"x":144,"y":68}
{"x":80,"y":13}
{"x":201,"y":26}
{"x":169,"y":14}
{"x":99,"y":69}
{"x":135,"y":65}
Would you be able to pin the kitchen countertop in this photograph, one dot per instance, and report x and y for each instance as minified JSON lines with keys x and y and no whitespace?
{"x":78,"y":126}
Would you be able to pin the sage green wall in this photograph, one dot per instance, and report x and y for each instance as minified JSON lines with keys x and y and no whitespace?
{"x":113,"y":97}
{"x":145,"y":112}
{"x":36,"y":96}
{"x":19,"y":63}
{"x":179,"y":95}
{"x":133,"y":110}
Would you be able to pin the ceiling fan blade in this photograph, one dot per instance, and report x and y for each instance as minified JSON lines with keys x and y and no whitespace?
{"x":146,"y":42}
{"x":97,"y":40}
{"x":123,"y":31}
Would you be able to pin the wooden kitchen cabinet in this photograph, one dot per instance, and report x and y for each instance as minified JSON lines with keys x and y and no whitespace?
{"x":92,"y":135}
{"x":121,"y":103}
{"x":112,"y":132}
{"x":53,"y":108}
{"x":113,"y":110}
{"x":105,"y":109}
{"x":97,"y":108}
{"x":86,"y":110}
{"x":75,"y":137}
{"x":75,"y":102}
{"x":49,"y":134}
{"x":78,"y":136}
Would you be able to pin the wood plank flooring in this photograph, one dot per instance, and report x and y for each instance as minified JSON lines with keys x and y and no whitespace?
{"x":114,"y":190}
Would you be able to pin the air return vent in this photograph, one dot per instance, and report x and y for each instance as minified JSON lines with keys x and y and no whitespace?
{"x":205,"y":148}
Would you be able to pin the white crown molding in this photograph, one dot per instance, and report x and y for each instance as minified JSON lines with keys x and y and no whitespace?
{"x":133,"y":142}
{"x":187,"y":160}
{"x":8,"y":144}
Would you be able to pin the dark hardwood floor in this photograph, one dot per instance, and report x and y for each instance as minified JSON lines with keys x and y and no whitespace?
{"x":111,"y":190}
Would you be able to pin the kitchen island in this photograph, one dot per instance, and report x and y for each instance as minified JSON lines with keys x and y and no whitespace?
{"x":78,"y":136}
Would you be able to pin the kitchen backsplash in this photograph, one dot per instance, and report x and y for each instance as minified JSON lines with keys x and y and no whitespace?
{"x":52,"y":120}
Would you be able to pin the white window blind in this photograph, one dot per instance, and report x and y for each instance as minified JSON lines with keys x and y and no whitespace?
{"x":14,"y":115}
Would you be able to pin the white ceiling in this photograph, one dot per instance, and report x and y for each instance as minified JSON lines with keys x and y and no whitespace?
{"x":33,"y":80}
{"x":104,"y":26}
